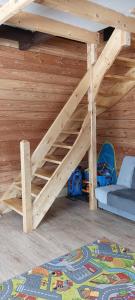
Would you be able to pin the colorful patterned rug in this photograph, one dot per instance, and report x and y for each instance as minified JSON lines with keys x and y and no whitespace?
{"x":101,"y":271}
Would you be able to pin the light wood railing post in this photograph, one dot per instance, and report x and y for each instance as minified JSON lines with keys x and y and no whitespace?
{"x":97,"y":70}
{"x":91,"y":59}
{"x":26,"y":185}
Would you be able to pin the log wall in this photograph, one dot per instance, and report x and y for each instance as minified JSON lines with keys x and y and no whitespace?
{"x":34,"y":86}
{"x":117,"y":125}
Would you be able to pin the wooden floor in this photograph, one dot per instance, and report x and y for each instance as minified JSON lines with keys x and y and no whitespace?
{"x":67,"y":226}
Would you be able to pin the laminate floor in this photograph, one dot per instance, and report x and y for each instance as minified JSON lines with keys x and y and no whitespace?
{"x":68,"y":225}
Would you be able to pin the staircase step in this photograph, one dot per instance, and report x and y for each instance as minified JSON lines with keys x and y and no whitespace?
{"x":15,"y":204}
{"x":62,"y":145}
{"x":71,"y":132}
{"x":109,"y":94}
{"x":127,"y":60}
{"x":18,"y":185}
{"x":35,"y":189}
{"x":44,"y":174}
{"x":77,"y":120}
{"x":54,"y":159}
{"x":120,"y":77}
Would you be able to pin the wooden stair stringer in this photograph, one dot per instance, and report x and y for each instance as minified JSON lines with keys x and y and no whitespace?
{"x":52,"y":189}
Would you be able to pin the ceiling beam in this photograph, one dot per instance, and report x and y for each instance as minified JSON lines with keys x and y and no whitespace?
{"x":38,"y":23}
{"x":93,"y":12}
{"x":11,"y":8}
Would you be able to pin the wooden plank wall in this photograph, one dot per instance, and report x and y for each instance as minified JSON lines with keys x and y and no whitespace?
{"x":117,"y":125}
{"x":34,"y":86}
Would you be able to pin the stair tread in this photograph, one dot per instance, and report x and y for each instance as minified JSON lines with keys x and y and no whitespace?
{"x":15,"y":204}
{"x":53,"y":158}
{"x":44,"y":173}
{"x":120,"y":77}
{"x":71,"y":131}
{"x":77,"y":119}
{"x":35,"y":189}
{"x":62,"y":145}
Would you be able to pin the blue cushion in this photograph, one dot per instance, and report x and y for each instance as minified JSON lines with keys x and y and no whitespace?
{"x":126,"y":171}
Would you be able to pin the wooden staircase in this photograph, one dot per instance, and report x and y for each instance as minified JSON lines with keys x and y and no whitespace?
{"x":52,"y":173}
{"x":63,"y":147}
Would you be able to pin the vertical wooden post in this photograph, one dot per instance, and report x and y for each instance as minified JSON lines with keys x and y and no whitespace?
{"x":91,"y":59}
{"x":26,"y":186}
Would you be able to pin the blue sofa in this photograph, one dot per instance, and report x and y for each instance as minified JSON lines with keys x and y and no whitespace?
{"x":120,"y":198}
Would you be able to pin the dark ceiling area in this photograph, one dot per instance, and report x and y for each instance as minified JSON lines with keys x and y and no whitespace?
{"x":26,"y":38}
